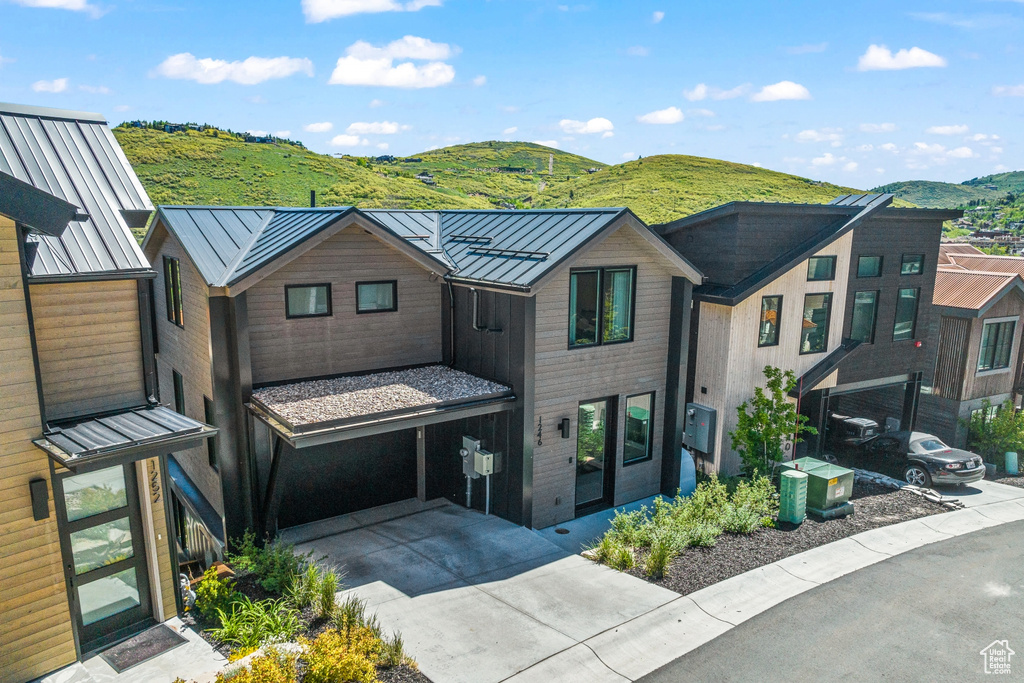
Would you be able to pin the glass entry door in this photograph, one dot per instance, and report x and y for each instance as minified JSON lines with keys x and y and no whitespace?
{"x":595,"y":455}
{"x":104,"y":553}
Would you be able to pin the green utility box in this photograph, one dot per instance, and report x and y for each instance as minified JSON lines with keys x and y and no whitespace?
{"x":828,"y":486}
{"x":793,"y":497}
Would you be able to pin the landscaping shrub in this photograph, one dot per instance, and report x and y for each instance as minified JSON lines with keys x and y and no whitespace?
{"x":392,"y":652}
{"x":701,"y":535}
{"x":350,"y":612}
{"x":740,"y":520}
{"x":251,"y":624}
{"x":325,"y":601}
{"x":336,"y":656}
{"x":274,"y":667}
{"x":214,"y":594}
{"x":622,"y":558}
{"x":276,"y":563}
{"x":303,"y":590}
{"x":663,"y":549}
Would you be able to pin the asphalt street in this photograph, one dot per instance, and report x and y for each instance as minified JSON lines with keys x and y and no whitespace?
{"x":925,"y":615}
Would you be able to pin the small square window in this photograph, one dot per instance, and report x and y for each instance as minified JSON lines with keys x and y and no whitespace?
{"x":307,"y":301}
{"x":377,"y":297}
{"x":913,"y":264}
{"x":821,"y":268}
{"x":869,"y":266}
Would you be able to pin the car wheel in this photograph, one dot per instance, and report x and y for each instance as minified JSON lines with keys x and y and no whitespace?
{"x":917,"y":475}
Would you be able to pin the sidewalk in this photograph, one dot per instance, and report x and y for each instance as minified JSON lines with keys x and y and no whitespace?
{"x":637,"y":647}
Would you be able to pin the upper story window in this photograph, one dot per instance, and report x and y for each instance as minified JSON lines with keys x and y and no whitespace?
{"x":821,"y":268}
{"x":906,"y":314}
{"x":865,"y":312}
{"x":817,"y":314}
{"x":771,"y":310}
{"x":179,"y":391}
{"x":913,"y":264}
{"x":869,"y":266}
{"x":307,"y":301}
{"x":996,"y":344}
{"x":601,"y":304}
{"x":639,"y":423}
{"x":211,"y":444}
{"x":377,"y":297}
{"x":172,"y":290}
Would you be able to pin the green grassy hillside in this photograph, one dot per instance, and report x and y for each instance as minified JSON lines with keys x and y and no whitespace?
{"x":990,"y":202}
{"x":217,"y":167}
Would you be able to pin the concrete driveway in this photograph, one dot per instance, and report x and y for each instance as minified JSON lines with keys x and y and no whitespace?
{"x":479,"y":600}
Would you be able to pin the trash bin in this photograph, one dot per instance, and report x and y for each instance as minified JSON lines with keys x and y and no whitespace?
{"x":1011,"y":463}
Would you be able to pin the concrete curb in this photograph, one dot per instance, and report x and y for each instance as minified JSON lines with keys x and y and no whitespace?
{"x":641,"y":645}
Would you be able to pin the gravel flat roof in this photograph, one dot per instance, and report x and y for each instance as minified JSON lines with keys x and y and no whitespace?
{"x":322,"y":400}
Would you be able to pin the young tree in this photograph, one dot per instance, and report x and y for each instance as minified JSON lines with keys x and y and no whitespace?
{"x":993,"y":435}
{"x":767,"y":422}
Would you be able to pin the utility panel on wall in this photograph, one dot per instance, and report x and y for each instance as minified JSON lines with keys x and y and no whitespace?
{"x":700,"y":428}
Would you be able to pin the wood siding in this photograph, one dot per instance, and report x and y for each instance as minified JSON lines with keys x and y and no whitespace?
{"x":978,"y":385}
{"x":729,"y":362}
{"x":187,"y":350}
{"x":565,"y":377}
{"x":90,"y":350}
{"x":344,"y":342}
{"x":35,"y":622}
{"x":951,"y":364}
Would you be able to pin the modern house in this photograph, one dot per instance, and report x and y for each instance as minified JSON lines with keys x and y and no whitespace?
{"x":980,"y":301}
{"x":839,"y":294}
{"x":85,"y":550}
{"x":348,"y":356}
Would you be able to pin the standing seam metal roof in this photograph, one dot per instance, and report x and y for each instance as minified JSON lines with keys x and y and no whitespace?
{"x":75,"y":157}
{"x":968,"y":289}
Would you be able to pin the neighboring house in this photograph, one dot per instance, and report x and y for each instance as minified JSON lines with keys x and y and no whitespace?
{"x":837,"y":293}
{"x":345,"y":354}
{"x":980,"y":300}
{"x":85,"y":550}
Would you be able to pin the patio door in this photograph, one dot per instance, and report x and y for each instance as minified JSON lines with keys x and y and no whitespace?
{"x":595,"y":455}
{"x":104,"y":554}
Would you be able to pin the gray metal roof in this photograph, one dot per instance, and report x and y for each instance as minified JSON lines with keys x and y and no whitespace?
{"x":510,"y":248}
{"x":38,"y":210}
{"x":74,"y":156}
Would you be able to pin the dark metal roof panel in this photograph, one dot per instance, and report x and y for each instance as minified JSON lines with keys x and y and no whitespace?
{"x":285,"y":230}
{"x":74,"y":157}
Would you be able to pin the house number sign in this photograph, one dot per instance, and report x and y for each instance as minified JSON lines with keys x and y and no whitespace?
{"x":154,"y":481}
{"x":540,"y":431}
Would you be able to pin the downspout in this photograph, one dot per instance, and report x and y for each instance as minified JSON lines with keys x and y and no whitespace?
{"x":476,"y":312}
{"x":451,"y":320}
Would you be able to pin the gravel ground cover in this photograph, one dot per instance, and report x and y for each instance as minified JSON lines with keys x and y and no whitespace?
{"x":343,"y":397}
{"x":733,"y":554}
{"x":1010,"y":480}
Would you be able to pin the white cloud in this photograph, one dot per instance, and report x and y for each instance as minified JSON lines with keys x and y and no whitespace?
{"x":938,"y":154}
{"x":258,"y":133}
{"x":717,"y":126}
{"x":94,"y":89}
{"x":323,"y":10}
{"x":877,"y":127}
{"x":597,"y":125}
{"x":833,"y":135}
{"x":757,"y":164}
{"x":249,"y":71}
{"x":73,"y":5}
{"x":702,"y":91}
{"x":365,"y":64}
{"x":321,"y":127}
{"x":547,"y":143}
{"x":783,"y":90}
{"x":657,"y":17}
{"x":962,"y":153}
{"x":510,"y":131}
{"x":827,"y":159}
{"x":888,"y":147}
{"x":662,"y":116}
{"x":638,"y":51}
{"x":865,"y":148}
{"x":850,"y":166}
{"x":349,"y":141}
{"x":479,"y":81}
{"x":56,"y":85}
{"x":807,"y":49}
{"x":376,"y":103}
{"x":382,"y":145}
{"x":984,"y":139}
{"x":282,"y":134}
{"x":122,"y":107}
{"x":948,"y":130}
{"x":628,"y":155}
{"x":376,"y":128}
{"x":707,"y":113}
{"x":1008,"y":90}
{"x":881,"y":58}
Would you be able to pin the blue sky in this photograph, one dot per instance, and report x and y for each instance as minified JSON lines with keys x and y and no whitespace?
{"x":859,"y":94}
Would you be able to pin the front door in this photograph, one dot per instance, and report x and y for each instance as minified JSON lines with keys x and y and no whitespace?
{"x":595,"y":455}
{"x":104,"y":554}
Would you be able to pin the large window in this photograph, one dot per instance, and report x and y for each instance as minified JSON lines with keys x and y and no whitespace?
{"x":821,"y":268}
{"x":172,"y":291}
{"x":601,"y":306}
{"x":307,"y":301}
{"x":906,"y":314}
{"x":771,"y":311}
{"x":913,"y":264}
{"x":179,"y":391}
{"x":865,"y":311}
{"x":639,"y":422}
{"x":996,"y":344}
{"x":377,"y":297}
{"x":211,"y":444}
{"x":869,"y":266}
{"x":817,"y":312}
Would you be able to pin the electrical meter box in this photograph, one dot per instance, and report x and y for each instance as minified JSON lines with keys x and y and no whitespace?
{"x":470,"y":446}
{"x":699,"y":434}
{"x":484,"y":463}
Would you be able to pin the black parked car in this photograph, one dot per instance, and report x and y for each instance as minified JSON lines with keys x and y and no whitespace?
{"x":920,"y":459}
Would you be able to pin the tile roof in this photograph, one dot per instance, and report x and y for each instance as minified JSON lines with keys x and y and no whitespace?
{"x":74,"y":156}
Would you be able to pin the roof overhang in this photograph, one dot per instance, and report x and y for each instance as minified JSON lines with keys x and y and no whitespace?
{"x":91,"y":443}
{"x":317,"y":434}
{"x":34,"y":208}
